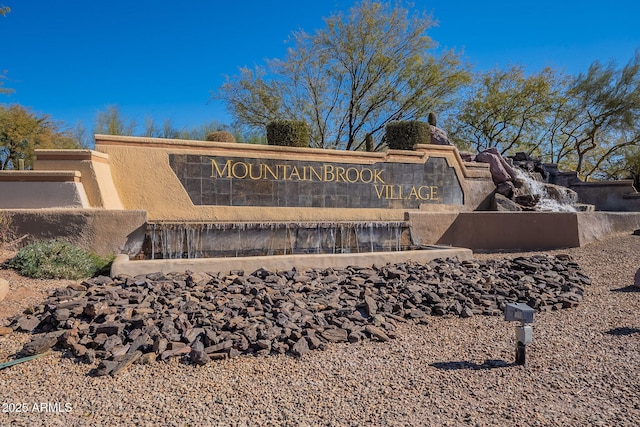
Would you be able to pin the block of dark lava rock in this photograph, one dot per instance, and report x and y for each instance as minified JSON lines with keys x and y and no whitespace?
{"x":105,"y":367}
{"x":301,"y":347}
{"x":376,"y":332}
{"x":167,"y":354}
{"x":27,"y":323}
{"x":77,"y":287}
{"x":636,"y":281}
{"x":372,"y":307}
{"x":224,"y":345}
{"x":78,"y":350}
{"x":147,"y":358}
{"x":335,"y":335}
{"x":94,"y":309}
{"x":125,"y":362}
{"x":40,"y":345}
{"x":109,"y":328}
{"x":199,"y":357}
{"x":160,"y":345}
{"x":466,"y":312}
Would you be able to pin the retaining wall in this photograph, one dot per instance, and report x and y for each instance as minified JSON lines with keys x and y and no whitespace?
{"x":102,"y":231}
{"x":518,"y":230}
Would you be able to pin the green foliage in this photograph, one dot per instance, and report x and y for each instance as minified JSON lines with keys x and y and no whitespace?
{"x":366,"y":68}
{"x":288,"y":133}
{"x":403,"y":135}
{"x":221,"y":136}
{"x":57,"y":260}
{"x":602,"y":115}
{"x":504,"y":109}
{"x":583,"y":123}
{"x":626,"y":165}
{"x":22,"y":131}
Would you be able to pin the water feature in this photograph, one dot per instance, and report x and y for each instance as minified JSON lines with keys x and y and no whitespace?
{"x":175,"y":240}
{"x":563,"y":200}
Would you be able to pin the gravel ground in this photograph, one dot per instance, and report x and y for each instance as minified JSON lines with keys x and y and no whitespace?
{"x":582,"y":369}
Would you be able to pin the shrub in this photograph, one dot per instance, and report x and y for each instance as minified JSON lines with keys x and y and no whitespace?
{"x":403,"y":135}
{"x":288,"y":133}
{"x":221,"y":136}
{"x":55,"y":259}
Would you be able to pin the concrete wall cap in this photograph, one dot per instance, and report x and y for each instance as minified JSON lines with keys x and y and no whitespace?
{"x":45,"y":176}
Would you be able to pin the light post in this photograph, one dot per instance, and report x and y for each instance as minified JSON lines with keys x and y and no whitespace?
{"x":515,"y":311}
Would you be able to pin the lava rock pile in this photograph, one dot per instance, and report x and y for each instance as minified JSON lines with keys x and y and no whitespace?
{"x":202,"y":317}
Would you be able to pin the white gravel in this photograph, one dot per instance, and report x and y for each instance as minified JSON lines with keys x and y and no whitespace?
{"x":583,"y":368}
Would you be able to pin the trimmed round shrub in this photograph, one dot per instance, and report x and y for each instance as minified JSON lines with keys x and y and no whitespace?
{"x":55,"y":259}
{"x":403,"y":135}
{"x":221,"y":136}
{"x":288,"y":133}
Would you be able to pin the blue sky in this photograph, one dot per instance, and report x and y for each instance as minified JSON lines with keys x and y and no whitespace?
{"x":71,"y":59}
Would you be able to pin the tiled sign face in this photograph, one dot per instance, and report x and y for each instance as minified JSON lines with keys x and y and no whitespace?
{"x":240,"y":181}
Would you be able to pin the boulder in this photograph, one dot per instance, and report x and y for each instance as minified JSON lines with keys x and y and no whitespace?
{"x":636,"y":279}
{"x":467,"y":156}
{"x":506,"y":189}
{"x":561,"y":194}
{"x":527,"y":200}
{"x":502,"y":204}
{"x":439,"y":136}
{"x":501,"y":171}
{"x":530,"y":164}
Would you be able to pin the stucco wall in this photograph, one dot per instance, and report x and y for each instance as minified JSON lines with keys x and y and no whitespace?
{"x":98,"y":230}
{"x":95,"y":173}
{"x":613,"y":196}
{"x":518,"y":230}
{"x":142,"y":174}
{"x":36,"y":195}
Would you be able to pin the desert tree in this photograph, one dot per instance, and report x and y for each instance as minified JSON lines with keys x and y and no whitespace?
{"x":505,"y":109}
{"x":22,"y":131}
{"x":582,"y":122}
{"x":365,"y":68}
{"x":602,"y":115}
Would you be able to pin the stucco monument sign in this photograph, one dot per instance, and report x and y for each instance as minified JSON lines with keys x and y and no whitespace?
{"x":201,"y":181}
{"x":196,"y":198}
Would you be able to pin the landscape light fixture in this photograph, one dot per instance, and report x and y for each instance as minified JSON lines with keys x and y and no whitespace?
{"x":515,"y":311}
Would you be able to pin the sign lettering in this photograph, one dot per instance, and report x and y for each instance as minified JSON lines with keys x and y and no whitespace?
{"x":240,"y":181}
